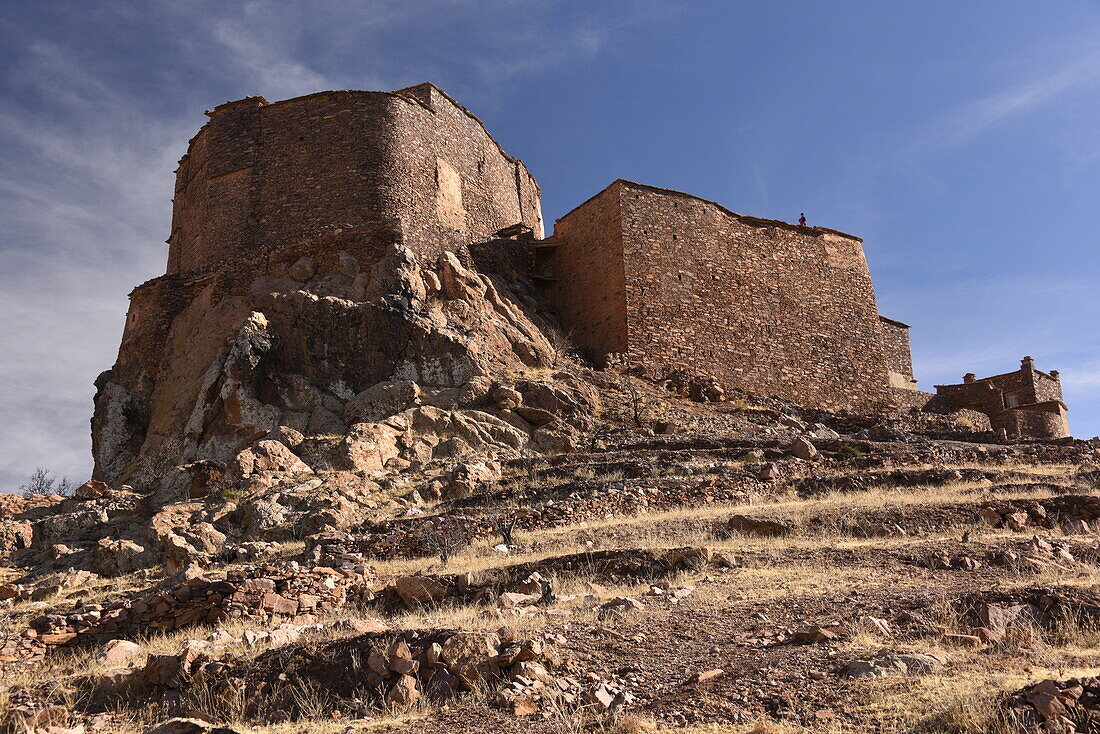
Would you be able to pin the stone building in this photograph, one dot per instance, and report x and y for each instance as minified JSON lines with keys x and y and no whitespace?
{"x":1024,"y":403}
{"x":327,"y":183}
{"x":323,"y":188}
{"x":263,"y":183}
{"x":671,"y":280}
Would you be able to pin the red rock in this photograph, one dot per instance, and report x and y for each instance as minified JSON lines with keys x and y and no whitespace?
{"x":277,"y":604}
{"x":705,"y":675}
{"x":91,"y":490}
{"x":403,"y":694}
{"x":525,"y":705}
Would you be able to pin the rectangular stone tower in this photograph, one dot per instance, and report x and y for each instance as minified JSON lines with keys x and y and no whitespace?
{"x":673,"y":280}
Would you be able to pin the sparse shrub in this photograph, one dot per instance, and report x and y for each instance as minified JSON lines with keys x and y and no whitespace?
{"x":40,"y":482}
{"x":632,"y":724}
{"x":226,"y":492}
{"x":637,"y":408}
{"x":505,"y":529}
{"x":848,"y":452}
{"x":969,"y":714}
{"x":560,"y":341}
{"x":448,"y":540}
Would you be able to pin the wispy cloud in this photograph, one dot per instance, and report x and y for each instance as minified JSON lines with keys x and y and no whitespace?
{"x":93,"y":119}
{"x":1017,"y":99}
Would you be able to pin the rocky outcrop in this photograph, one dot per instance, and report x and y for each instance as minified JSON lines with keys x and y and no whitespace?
{"x":391,"y":367}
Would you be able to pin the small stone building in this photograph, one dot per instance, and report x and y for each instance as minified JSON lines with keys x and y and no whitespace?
{"x":671,"y":280}
{"x":1025,"y":403}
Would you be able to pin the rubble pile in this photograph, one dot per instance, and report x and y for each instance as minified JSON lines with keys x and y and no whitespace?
{"x":260,"y":593}
{"x":394,"y":669}
{"x":532,"y":583}
{"x":1056,"y":707}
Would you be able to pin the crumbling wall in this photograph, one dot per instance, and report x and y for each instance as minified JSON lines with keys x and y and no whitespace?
{"x":899,"y":355}
{"x":1026,"y":403}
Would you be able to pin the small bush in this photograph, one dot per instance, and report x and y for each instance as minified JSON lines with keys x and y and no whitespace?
{"x":848,"y":452}
{"x":41,"y":483}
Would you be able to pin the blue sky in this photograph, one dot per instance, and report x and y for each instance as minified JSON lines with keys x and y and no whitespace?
{"x":959,"y":139}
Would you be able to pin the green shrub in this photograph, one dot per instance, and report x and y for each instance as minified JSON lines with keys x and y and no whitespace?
{"x":848,"y":452}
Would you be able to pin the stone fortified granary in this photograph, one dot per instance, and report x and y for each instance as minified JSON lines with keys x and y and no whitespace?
{"x":661,"y":279}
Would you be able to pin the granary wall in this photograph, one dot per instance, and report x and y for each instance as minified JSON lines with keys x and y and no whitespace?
{"x":762,"y":305}
{"x":899,"y":355}
{"x":259,"y":178}
{"x":583,"y":275}
{"x":454,"y":183}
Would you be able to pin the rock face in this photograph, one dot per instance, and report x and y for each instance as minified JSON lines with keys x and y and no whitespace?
{"x":401,"y":364}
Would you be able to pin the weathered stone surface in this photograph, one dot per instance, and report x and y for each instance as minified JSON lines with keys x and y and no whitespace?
{"x":117,"y":653}
{"x":268,"y":456}
{"x":404,"y":693}
{"x":382,"y":400}
{"x":118,"y":557}
{"x":802,"y":448}
{"x":91,"y":490}
{"x":419,"y":590}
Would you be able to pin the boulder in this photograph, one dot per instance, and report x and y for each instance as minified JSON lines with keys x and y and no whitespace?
{"x":289,"y":437}
{"x":382,"y":400}
{"x":403,"y":694}
{"x":118,"y":557}
{"x":468,"y":477}
{"x":324,"y":422}
{"x":456,"y":281}
{"x":366,"y":448}
{"x":419,"y":590}
{"x":468,"y":655}
{"x":1000,"y":617}
{"x":814,"y":634}
{"x":119,"y":653}
{"x":269,"y":457}
{"x":802,"y":448}
{"x":91,"y":490}
{"x":303,"y":269}
{"x":506,"y":398}
{"x":990,"y":516}
{"x":822,"y":432}
{"x":767,"y":527}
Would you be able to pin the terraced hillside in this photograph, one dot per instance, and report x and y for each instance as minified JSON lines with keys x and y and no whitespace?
{"x":733,"y":566}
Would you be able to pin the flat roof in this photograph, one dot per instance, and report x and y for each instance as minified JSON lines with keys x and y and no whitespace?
{"x":747,"y":218}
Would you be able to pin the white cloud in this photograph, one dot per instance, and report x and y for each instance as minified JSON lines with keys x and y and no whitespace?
{"x":1021,"y":98}
{"x":87,"y":161}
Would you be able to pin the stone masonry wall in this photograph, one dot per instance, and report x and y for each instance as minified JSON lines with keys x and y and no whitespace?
{"x":584,"y":277}
{"x":1025,"y":403}
{"x":261,"y":177}
{"x":899,"y":355}
{"x":439,"y":145}
{"x":763,"y":306}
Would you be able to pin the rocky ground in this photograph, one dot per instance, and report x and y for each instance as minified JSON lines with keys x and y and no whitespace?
{"x":742,"y":569}
{"x":544,"y":547}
